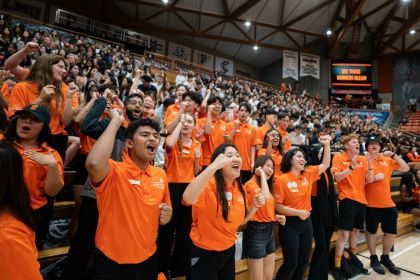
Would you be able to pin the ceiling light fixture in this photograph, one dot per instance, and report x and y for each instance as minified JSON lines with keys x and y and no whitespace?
{"x":406,"y":1}
{"x":255,"y":47}
{"x":412,"y":31}
{"x":329,"y":32}
{"x":165,"y":1}
{"x":247,"y":23}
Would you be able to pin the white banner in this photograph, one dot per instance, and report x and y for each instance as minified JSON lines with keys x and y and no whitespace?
{"x":157,"y":45}
{"x":203,"y":59}
{"x":179,"y":51}
{"x":290,"y":64}
{"x":224,"y":66}
{"x":309,"y":65}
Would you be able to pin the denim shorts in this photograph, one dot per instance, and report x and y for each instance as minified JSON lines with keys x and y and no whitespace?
{"x":258,"y":240}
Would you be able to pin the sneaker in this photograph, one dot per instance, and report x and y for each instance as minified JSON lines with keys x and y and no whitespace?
{"x":386,"y":261}
{"x":376,"y":265}
{"x":337,"y":274}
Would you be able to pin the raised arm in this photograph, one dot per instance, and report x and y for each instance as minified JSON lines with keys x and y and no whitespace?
{"x":12,"y":63}
{"x":207,"y":127}
{"x":97,"y":160}
{"x":67,"y":117}
{"x":326,"y":159}
{"x":173,"y":138}
{"x":402,"y":165}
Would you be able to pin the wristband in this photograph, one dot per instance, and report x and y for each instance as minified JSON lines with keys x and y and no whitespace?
{"x":393,"y":155}
{"x":351,"y":167}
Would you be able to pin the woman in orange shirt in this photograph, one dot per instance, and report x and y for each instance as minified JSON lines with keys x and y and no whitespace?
{"x":182,"y":164}
{"x":44,"y":85}
{"x":17,"y":237}
{"x":258,"y":241}
{"x":292,"y":194}
{"x":42,"y":165}
{"x":273,"y":148}
{"x":218,"y":209}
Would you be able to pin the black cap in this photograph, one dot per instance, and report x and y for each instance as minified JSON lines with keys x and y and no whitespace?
{"x":372,"y":139}
{"x":39,"y":111}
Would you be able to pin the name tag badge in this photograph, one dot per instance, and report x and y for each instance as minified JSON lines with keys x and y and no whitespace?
{"x":229,"y":196}
{"x":186,"y":152}
{"x":134,"y":182}
{"x":238,"y":131}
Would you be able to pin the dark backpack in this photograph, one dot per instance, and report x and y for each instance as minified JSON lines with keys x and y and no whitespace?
{"x":351,"y":266}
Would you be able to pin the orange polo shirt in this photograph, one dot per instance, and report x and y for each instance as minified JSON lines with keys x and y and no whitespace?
{"x":412,"y":158}
{"x":211,"y":141}
{"x":266,"y":212}
{"x":244,"y":139}
{"x":295,"y":192}
{"x":4,"y":90}
{"x":353,"y":186}
{"x":128,"y":202}
{"x":170,"y":114}
{"x":209,"y":230}
{"x":179,"y":165}
{"x":288,"y":144}
{"x":378,"y":193}
{"x":18,"y":254}
{"x":260,"y":133}
{"x":276,"y":156}
{"x":36,"y":174}
{"x":25,"y":93}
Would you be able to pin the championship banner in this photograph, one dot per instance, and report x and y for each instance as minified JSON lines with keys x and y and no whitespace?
{"x":224,"y":66}
{"x":290,"y":64}
{"x":157,"y":45}
{"x":309,"y":65}
{"x":204,"y":59}
{"x":179,"y":52}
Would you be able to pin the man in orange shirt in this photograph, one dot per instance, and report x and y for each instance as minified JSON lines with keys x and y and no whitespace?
{"x":190,"y":102}
{"x":351,"y":172}
{"x":380,"y":207}
{"x":242,"y":134}
{"x":270,"y":122}
{"x":133,"y":199}
{"x":283,"y":122}
{"x":179,"y":91}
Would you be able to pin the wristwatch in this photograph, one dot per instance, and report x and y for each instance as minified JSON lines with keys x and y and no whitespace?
{"x":351,"y":167}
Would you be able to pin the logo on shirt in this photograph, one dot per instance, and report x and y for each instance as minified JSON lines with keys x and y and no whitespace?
{"x":293,"y":186}
{"x":159,"y":184}
{"x":305,"y":182}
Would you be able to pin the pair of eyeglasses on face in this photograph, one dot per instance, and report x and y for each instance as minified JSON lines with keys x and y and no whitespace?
{"x":134,"y":102}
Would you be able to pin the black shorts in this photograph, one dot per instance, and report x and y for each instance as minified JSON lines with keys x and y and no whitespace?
{"x":387,"y":217}
{"x":258,"y":240}
{"x":352,"y":214}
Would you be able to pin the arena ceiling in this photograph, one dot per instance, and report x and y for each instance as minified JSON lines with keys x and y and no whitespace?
{"x":275,"y":24}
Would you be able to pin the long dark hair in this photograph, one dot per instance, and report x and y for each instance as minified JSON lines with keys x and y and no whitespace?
{"x":221,"y":184}
{"x":280,"y":145}
{"x":11,"y":134}
{"x":286,"y":162}
{"x":259,"y":162}
{"x":14,"y":195}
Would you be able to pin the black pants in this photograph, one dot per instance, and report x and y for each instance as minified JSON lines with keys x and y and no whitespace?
{"x":83,"y":243}
{"x":212,"y":265}
{"x":177,"y":229}
{"x":246,"y":176}
{"x":59,"y":143}
{"x":322,"y":237}
{"x":42,"y":218}
{"x":106,"y":269}
{"x":295,"y":239}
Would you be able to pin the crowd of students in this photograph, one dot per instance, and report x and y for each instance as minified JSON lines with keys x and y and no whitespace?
{"x":166,"y":175}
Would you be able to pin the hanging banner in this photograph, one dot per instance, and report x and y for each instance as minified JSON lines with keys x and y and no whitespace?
{"x":290,"y":64}
{"x":157,"y":45}
{"x":204,"y":59}
{"x":224,"y":66}
{"x":309,"y":65}
{"x":179,"y":51}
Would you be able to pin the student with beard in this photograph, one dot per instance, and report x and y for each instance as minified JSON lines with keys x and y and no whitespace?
{"x":43,"y":167}
{"x":133,"y":200}
{"x":243,"y":136}
{"x":218,"y":208}
{"x":381,"y":209}
{"x":182,"y":164}
{"x":292,"y":194}
{"x":17,"y":236}
{"x":83,"y":243}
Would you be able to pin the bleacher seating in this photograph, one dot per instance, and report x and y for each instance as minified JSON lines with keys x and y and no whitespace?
{"x":412,"y":127}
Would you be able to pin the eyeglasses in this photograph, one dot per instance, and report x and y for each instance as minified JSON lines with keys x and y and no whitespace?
{"x":135,"y":102}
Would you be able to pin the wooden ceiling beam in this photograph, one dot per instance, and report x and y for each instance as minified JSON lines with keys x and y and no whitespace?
{"x":213,"y":26}
{"x":308,"y":12}
{"x":240,"y":30}
{"x":413,"y":45}
{"x":184,"y":21}
{"x":347,"y":23}
{"x":225,"y":8}
{"x":268,"y":35}
{"x":292,"y":39}
{"x":336,"y":15}
{"x":374,"y":11}
{"x":243,"y":8}
{"x":381,"y":30}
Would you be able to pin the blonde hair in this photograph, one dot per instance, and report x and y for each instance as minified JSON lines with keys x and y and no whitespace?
{"x":179,"y":142}
{"x":348,"y":138}
{"x":41,"y":73}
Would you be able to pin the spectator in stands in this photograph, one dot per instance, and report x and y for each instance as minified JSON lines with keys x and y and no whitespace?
{"x":272,"y":147}
{"x":352,"y":172}
{"x":270,"y":122}
{"x":182,"y":164}
{"x":17,"y":237}
{"x":189,"y":104}
{"x":412,"y":155}
{"x":243,"y":136}
{"x":283,"y":123}
{"x":258,"y":239}
{"x":380,"y":206}
{"x":410,"y":192}
{"x":44,"y":85}
{"x":213,"y":231}
{"x":28,"y":133}
{"x":131,"y":253}
{"x":292,"y":195}
{"x":146,"y":87}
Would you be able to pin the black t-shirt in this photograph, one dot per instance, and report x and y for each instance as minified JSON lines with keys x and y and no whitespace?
{"x":148,"y":90}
